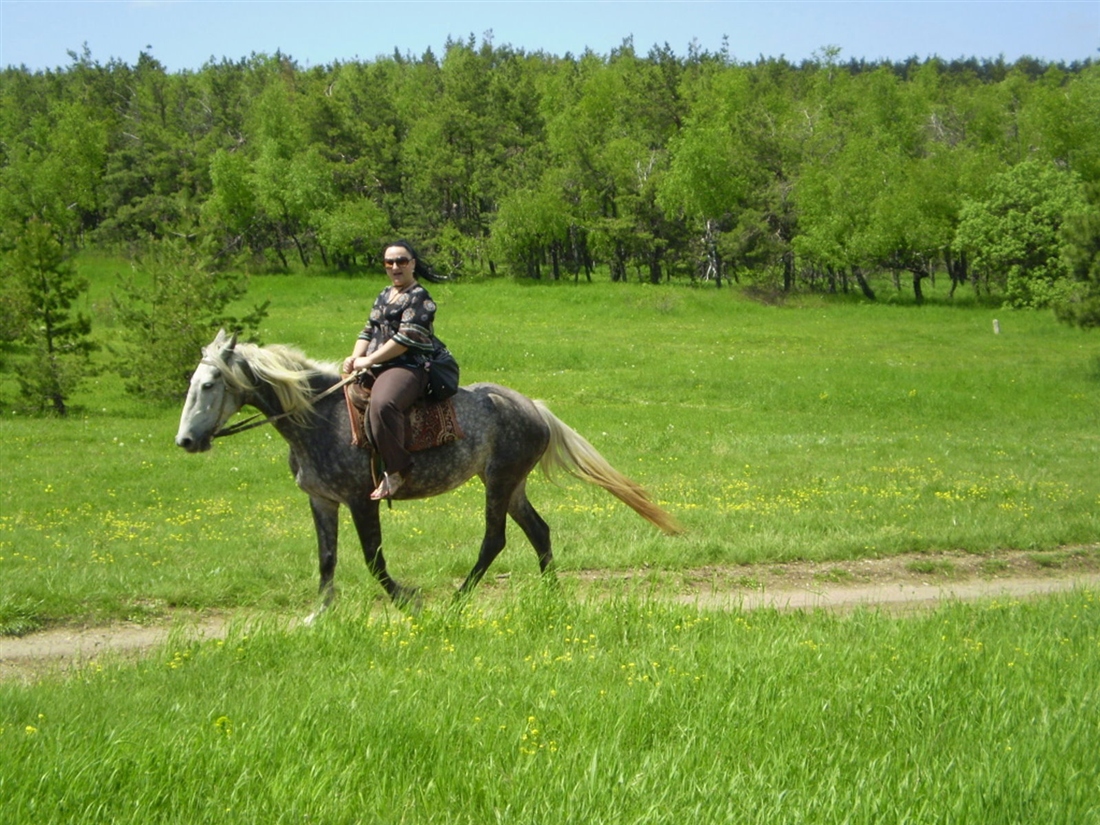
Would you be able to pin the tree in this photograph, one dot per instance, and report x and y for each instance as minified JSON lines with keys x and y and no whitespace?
{"x":1081,"y":254}
{"x":527,"y":224}
{"x":1014,"y":234}
{"x":232,"y":213}
{"x":709,"y":170}
{"x":835,"y":198}
{"x":350,"y":229}
{"x":155,"y":170}
{"x":292,"y":192}
{"x":53,"y":170}
{"x":168,"y":310}
{"x":57,"y":338}
{"x":648,"y":163}
{"x":289,"y":177}
{"x":608,"y":123}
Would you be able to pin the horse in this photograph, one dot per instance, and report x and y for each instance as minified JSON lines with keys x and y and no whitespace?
{"x":505,"y":436}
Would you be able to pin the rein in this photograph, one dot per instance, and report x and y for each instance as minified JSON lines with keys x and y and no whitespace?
{"x":251,"y":423}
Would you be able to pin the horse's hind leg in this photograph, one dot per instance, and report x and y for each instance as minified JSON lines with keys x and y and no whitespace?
{"x":536,"y":530}
{"x":496,"y":514}
{"x":369,"y":527}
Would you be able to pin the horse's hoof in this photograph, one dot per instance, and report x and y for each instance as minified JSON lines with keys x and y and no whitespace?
{"x":409,"y":600}
{"x":314,"y":617}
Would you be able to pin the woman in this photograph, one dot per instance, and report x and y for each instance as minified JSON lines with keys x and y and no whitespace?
{"x":395,"y":344}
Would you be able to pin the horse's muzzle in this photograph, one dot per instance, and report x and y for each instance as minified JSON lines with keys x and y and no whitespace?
{"x":193,"y":445}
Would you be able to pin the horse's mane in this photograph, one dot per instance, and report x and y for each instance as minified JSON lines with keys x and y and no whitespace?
{"x":287,"y":370}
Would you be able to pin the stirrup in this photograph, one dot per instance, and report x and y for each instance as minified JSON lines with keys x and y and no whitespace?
{"x":390,"y":485}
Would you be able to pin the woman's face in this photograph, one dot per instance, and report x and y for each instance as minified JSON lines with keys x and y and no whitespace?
{"x":399,"y":266}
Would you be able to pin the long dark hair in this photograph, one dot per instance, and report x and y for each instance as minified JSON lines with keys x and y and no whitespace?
{"x":423,"y":270}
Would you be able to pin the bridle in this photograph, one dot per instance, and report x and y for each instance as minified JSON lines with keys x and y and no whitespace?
{"x":251,"y":423}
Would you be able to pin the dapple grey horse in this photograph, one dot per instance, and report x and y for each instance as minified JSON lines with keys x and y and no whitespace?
{"x":505,"y":436}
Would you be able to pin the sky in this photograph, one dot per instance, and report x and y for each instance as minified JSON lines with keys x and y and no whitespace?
{"x":186,"y":34}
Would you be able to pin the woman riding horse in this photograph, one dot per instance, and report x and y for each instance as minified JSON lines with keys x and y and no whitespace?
{"x":505,"y":436}
{"x":395,"y":345}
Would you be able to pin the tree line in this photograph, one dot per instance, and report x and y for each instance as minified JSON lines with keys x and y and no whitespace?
{"x":818,"y":175}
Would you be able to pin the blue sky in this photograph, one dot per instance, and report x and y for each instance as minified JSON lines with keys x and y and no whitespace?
{"x":185,"y":34}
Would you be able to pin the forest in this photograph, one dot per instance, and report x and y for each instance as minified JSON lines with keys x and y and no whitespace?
{"x":825,"y":175}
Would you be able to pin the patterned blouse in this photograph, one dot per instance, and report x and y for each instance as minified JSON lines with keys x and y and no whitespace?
{"x":406,"y":317}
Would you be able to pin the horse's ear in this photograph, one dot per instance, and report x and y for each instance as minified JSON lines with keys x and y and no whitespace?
{"x":223,"y":342}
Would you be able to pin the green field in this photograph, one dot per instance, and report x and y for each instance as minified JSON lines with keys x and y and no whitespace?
{"x":536,"y":708}
{"x":819,"y":431}
{"x":822,"y":430}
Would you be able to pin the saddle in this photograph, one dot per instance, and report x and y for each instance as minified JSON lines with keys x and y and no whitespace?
{"x":427,"y":424}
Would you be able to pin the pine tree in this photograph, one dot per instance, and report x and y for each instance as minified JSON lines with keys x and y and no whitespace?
{"x":57,"y":340}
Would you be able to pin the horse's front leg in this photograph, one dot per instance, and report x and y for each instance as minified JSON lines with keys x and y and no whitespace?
{"x":326,"y":522}
{"x":367,"y":523}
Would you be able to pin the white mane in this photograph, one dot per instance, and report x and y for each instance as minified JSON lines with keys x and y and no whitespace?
{"x":286,"y":369}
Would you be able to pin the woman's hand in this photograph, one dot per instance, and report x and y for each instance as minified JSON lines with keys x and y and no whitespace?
{"x":354,"y":363}
{"x":387,"y":352}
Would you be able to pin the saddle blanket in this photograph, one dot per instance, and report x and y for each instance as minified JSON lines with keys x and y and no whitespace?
{"x":431,"y":425}
{"x":426,"y":425}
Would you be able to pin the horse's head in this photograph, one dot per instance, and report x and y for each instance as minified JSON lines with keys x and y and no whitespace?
{"x":211,"y":399}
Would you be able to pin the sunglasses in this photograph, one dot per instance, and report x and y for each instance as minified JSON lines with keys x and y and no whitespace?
{"x":398,"y":261}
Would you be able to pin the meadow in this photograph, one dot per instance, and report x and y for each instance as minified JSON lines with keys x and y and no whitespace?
{"x":536,"y":708}
{"x":821,"y":429}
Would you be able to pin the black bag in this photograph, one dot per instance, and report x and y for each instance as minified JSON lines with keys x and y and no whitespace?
{"x":442,"y":375}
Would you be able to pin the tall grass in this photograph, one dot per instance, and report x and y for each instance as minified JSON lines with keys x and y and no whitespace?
{"x":810,"y":431}
{"x":534,"y":707}
{"x":813,"y":430}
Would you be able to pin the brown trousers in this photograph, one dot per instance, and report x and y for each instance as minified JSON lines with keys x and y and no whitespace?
{"x":394,"y":391}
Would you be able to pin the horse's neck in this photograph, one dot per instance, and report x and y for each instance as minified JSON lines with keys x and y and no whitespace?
{"x":263,"y":397}
{"x":266,"y":400}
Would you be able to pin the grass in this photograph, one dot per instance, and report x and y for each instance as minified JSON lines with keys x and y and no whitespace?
{"x":1050,"y":561}
{"x":931,"y":567}
{"x":993,"y":567}
{"x":809,"y":431}
{"x":531,"y":707}
{"x":835,"y":576}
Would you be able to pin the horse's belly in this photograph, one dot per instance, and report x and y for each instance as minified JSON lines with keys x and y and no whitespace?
{"x":334,"y":482}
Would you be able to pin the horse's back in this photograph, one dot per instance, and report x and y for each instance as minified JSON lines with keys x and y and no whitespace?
{"x":504,"y":417}
{"x":503,"y":436}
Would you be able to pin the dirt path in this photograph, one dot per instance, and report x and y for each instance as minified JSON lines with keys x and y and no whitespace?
{"x":898,"y":584}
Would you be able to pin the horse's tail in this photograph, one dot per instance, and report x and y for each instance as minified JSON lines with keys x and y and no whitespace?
{"x":569,"y":451}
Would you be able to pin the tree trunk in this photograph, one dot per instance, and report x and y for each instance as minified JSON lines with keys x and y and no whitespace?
{"x":713,"y":262}
{"x":865,"y":287}
{"x":301,"y":250}
{"x":618,"y":264}
{"x":655,"y":267}
{"x":56,"y":396}
{"x":956,"y":268}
